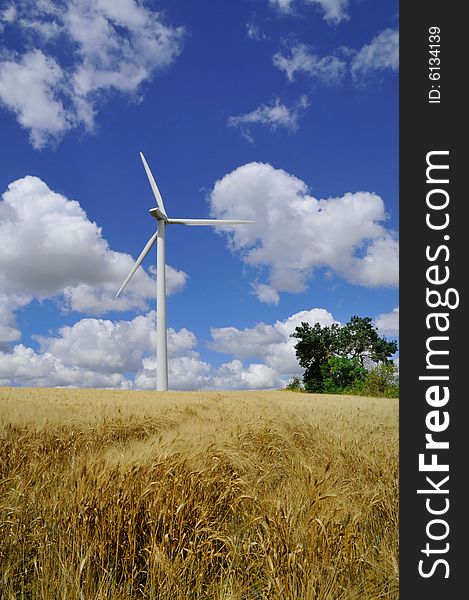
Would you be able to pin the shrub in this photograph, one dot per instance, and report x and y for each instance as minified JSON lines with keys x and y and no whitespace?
{"x":342,"y":374}
{"x":382,"y":380}
{"x":295,"y":385}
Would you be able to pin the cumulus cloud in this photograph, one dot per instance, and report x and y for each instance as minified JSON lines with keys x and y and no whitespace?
{"x":247,"y":343}
{"x":121,"y":354}
{"x":113,"y":346}
{"x":234,"y":375}
{"x":97,"y":353}
{"x":263,"y":357}
{"x":23,"y":366}
{"x":334,"y":11}
{"x":265,"y":293}
{"x":76,"y":52}
{"x":191,"y":373}
{"x":9,"y":304}
{"x":271,"y":344}
{"x":388,"y":323}
{"x":382,"y":53}
{"x":50,"y":249}
{"x":184,"y":373}
{"x":294,"y":233}
{"x":272,"y":116}
{"x":329,"y":70}
{"x":31,"y":86}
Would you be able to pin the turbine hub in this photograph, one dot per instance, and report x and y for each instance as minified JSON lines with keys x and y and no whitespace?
{"x":158,"y":214}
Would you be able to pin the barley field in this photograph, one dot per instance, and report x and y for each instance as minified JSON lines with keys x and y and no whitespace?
{"x":197,"y":495}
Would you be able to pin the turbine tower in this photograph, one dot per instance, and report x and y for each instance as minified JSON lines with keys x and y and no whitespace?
{"x":159,"y":236}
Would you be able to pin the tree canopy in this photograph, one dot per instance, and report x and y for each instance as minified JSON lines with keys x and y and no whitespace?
{"x":337,"y":357}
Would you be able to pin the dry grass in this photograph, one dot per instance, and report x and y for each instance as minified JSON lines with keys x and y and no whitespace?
{"x":232,"y":495}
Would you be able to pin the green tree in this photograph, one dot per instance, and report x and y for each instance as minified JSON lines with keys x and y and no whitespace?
{"x":341,"y":374}
{"x":316,"y":344}
{"x":359,"y":339}
{"x":334,"y":357}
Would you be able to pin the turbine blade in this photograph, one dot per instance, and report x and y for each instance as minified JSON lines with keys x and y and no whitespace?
{"x":154,"y":187}
{"x":138,"y":262}
{"x":195,"y":222}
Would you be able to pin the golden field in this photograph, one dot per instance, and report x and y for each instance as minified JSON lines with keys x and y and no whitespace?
{"x":203,"y":495}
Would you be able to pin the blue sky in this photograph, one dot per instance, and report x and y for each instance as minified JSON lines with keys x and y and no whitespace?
{"x":282,"y":111}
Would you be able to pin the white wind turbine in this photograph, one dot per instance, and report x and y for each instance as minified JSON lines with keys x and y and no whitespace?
{"x":163,"y":220}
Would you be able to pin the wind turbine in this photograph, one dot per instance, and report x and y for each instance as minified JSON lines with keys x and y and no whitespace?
{"x":159,"y":236}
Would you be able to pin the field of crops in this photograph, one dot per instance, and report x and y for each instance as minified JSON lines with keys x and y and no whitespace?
{"x":204,"y":495}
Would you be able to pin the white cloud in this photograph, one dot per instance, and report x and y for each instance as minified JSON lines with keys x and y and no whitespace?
{"x":113,"y":346}
{"x":97,"y":353}
{"x":388,"y":323}
{"x":102,"y":345}
{"x":270,"y":346}
{"x":247,"y":343}
{"x":253,"y":32}
{"x":99,"y":299}
{"x":7,"y":15}
{"x":265,"y":293}
{"x":9,"y":304}
{"x":92,"y":48}
{"x":184,"y":373}
{"x":380,"y":264}
{"x":270,"y":343}
{"x":234,"y":375}
{"x":326,"y":69}
{"x":121,"y":354}
{"x":50,"y":249}
{"x":273,"y":116}
{"x":192,"y":373}
{"x":23,"y":366}
{"x":295,"y":233}
{"x":334,"y":11}
{"x":382,"y":53}
{"x":30,"y":86}
{"x":284,"y":6}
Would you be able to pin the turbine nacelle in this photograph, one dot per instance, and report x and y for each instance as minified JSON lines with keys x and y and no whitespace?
{"x":158,"y":214}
